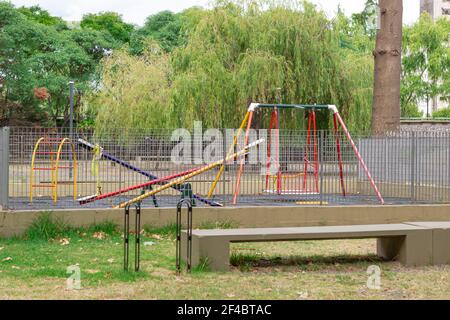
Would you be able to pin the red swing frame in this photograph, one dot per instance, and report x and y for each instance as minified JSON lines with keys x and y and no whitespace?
{"x":338,"y":123}
{"x":311,"y":135}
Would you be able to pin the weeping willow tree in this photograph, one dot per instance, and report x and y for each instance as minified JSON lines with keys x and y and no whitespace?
{"x":263,"y":52}
{"x":134,"y":91}
{"x":239,"y":52}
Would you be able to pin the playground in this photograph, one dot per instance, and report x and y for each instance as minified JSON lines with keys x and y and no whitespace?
{"x":90,"y":200}
{"x":270,"y":166}
{"x":225,"y":150}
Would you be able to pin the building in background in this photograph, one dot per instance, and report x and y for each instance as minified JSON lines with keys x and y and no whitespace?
{"x":436,"y":9}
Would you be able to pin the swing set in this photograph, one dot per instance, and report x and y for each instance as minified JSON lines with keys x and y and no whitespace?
{"x":282,"y":183}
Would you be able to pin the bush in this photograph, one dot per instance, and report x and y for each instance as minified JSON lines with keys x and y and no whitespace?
{"x":46,"y":227}
{"x":442,"y":113}
{"x":411,"y":111}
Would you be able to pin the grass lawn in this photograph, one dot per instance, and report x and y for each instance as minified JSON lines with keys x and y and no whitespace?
{"x":35,"y":265}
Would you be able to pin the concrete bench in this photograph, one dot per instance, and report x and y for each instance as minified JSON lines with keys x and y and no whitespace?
{"x":411,"y":244}
{"x":440,"y":238}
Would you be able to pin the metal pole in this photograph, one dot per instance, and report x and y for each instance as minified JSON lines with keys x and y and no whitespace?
{"x":4,"y":167}
{"x":447,"y":165}
{"x":413,"y":142}
{"x":224,"y":175}
{"x":321,"y":162}
{"x":71,"y":91}
{"x":126,"y":237}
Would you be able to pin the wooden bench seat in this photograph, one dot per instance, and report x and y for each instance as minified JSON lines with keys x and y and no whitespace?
{"x":409,"y":243}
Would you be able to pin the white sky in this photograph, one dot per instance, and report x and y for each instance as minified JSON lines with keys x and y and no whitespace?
{"x":135,"y":11}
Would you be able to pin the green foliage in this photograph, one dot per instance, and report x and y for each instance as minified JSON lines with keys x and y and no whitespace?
{"x":169,"y":230}
{"x":234,"y":54}
{"x":35,"y":55}
{"x":46,"y":227}
{"x":39,"y":15}
{"x":110,"y":22}
{"x":367,"y":19}
{"x":353,"y":33}
{"x":426,"y":60}
{"x":165,"y":28}
{"x":168,"y":29}
{"x":410,"y":111}
{"x":227,"y":224}
{"x":134,"y":91}
{"x":107,"y":227}
{"x":239,"y":54}
{"x":442,"y":113}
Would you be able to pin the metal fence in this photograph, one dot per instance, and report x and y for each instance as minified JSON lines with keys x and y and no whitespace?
{"x":407,"y":168}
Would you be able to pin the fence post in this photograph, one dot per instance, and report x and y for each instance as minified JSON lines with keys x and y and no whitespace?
{"x":447,"y":164}
{"x":413,"y":165}
{"x":4,"y":167}
{"x":224,"y":173}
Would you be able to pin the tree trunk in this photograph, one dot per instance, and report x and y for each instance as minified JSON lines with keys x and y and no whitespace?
{"x":387,"y":54}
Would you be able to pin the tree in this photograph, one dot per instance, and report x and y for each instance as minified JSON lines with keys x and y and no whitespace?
{"x":35,"y":57}
{"x":163,"y":27}
{"x":37,"y":14}
{"x":110,"y":22}
{"x":426,"y":61}
{"x":387,"y":53}
{"x":240,"y":53}
{"x":134,"y":92}
{"x":234,"y":54}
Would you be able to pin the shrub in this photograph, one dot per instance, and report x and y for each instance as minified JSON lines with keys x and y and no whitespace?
{"x":442,"y":113}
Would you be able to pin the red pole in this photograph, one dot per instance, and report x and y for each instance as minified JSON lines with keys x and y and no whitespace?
{"x":358,"y":155}
{"x":277,"y":150}
{"x":338,"y":150}
{"x":142,"y":185}
{"x":241,"y":165}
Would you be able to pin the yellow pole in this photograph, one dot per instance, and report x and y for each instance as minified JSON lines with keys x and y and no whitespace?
{"x":74,"y":157}
{"x":188,"y":176}
{"x":219,"y":174}
{"x":53,"y":176}
{"x":95,"y":167}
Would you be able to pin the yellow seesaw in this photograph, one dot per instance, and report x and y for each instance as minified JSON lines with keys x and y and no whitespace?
{"x":190,"y":175}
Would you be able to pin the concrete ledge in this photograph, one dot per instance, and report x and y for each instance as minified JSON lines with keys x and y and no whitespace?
{"x":16,"y":222}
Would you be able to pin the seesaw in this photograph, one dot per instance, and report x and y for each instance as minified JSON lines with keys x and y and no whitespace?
{"x":154,"y":179}
{"x":190,"y":175}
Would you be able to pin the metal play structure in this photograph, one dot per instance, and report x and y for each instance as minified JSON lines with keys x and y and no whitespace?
{"x":186,"y":177}
{"x":48,"y":154}
{"x":275,"y":179}
{"x":184,"y":188}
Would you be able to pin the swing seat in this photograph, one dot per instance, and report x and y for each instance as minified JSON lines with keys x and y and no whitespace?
{"x":293,"y":188}
{"x":292,"y":192}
